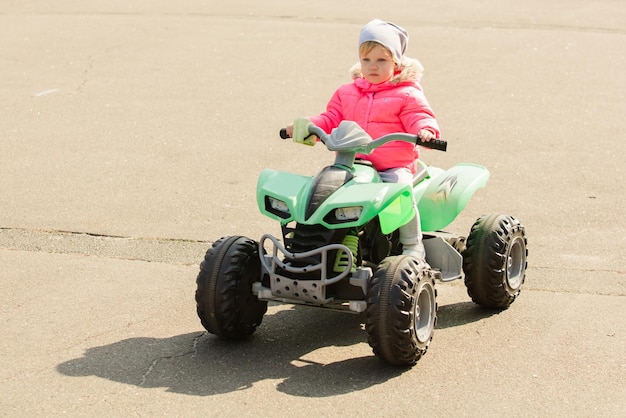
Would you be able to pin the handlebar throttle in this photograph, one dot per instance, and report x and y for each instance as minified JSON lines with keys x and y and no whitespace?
{"x":437,"y":144}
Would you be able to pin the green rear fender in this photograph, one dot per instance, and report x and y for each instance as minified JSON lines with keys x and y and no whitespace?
{"x":446,"y":194}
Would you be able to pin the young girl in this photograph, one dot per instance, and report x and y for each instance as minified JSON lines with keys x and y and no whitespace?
{"x":385,"y":97}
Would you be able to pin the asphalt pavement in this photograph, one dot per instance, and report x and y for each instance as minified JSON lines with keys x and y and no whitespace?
{"x":131,"y":137}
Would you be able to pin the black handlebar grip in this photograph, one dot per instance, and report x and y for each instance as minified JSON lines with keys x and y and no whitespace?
{"x":283,"y":133}
{"x":438,"y":144}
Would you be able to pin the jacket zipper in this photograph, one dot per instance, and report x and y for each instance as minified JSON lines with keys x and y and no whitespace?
{"x":370,"y":96}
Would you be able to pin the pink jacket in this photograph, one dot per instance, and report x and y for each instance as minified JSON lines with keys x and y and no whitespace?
{"x":398,"y":105}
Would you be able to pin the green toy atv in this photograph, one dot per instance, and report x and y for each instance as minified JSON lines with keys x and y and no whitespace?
{"x":340,"y":249}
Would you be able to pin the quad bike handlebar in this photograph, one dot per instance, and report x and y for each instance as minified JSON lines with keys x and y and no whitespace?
{"x":436,"y":144}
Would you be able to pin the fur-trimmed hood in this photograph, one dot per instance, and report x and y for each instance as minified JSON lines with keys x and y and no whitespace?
{"x":410,"y":70}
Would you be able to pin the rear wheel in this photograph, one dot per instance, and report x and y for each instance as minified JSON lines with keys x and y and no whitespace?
{"x":401,"y":310}
{"x":225,"y":303}
{"x":458,"y":243}
{"x":494,"y":260}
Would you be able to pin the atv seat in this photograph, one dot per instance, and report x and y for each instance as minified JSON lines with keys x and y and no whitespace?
{"x":363,"y":162}
{"x":421,"y":169}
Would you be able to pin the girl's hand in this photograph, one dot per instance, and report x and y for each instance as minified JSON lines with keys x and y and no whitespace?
{"x":426,"y":135}
{"x":289,"y":130}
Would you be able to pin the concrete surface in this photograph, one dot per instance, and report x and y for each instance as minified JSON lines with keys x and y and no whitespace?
{"x":131,"y":136}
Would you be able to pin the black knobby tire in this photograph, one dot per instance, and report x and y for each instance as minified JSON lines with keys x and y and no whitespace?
{"x":458,"y":243}
{"x":225,"y":303}
{"x":401,"y":310}
{"x":495,"y":260}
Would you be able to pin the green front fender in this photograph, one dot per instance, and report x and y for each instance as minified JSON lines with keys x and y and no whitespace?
{"x":287,"y":187}
{"x":391,"y":202}
{"x":446,"y":193}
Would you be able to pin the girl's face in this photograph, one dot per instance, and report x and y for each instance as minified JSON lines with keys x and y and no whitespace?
{"x":377,"y":65}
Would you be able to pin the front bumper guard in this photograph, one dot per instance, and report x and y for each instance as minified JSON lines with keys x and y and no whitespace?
{"x":310,"y":291}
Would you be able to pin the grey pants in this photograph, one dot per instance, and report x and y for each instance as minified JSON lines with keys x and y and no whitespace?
{"x":411,"y":233}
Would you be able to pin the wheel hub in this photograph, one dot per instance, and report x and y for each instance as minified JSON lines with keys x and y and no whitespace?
{"x":515,"y":264}
{"x":425,"y":304}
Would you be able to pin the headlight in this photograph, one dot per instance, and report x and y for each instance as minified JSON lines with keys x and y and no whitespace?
{"x":348,"y":214}
{"x":278,"y":205}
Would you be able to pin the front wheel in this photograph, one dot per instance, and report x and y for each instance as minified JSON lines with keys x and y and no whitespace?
{"x":225,"y":303}
{"x":494,"y":260}
{"x":401,"y":310}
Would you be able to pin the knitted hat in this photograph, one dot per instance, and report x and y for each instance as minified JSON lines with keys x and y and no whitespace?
{"x":391,"y":36}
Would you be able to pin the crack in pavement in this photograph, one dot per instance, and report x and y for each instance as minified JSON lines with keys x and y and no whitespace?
{"x":193,"y":352}
{"x":159,"y":250}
